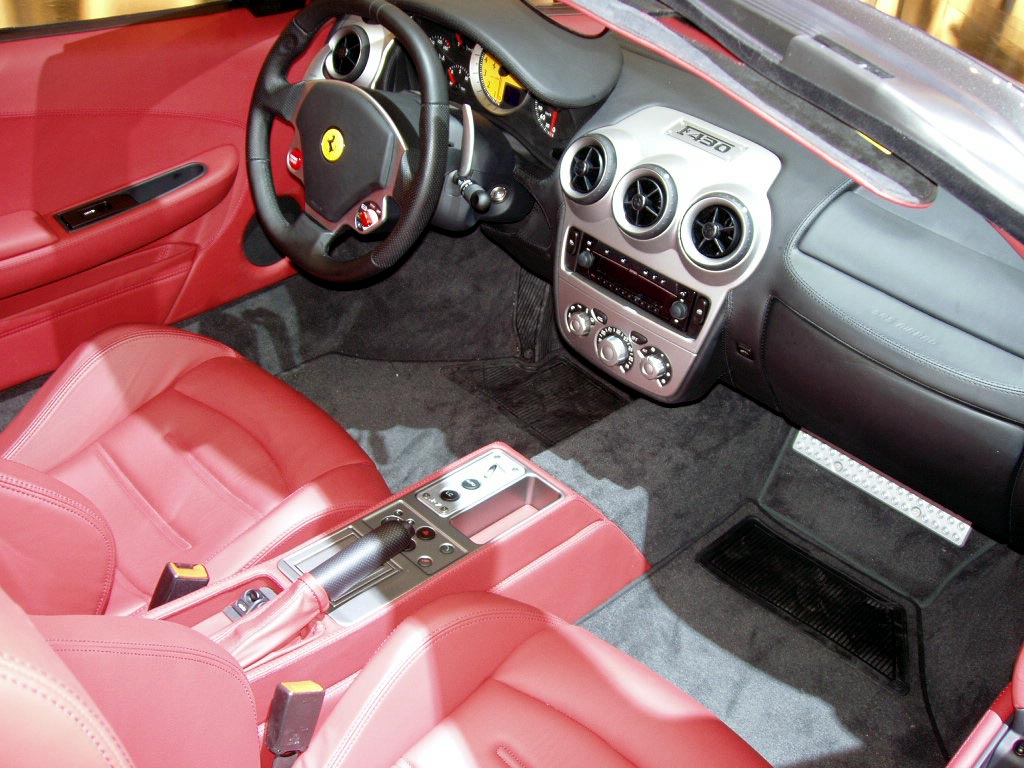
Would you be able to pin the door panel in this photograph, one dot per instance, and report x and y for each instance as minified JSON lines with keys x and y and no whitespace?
{"x":91,"y":113}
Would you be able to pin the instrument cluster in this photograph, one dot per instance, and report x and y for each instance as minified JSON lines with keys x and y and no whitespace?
{"x":478,"y":76}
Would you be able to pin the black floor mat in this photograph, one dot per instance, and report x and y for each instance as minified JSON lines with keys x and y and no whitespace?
{"x":552,"y":400}
{"x":825,"y":603}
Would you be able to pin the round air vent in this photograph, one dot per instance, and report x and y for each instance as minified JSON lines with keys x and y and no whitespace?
{"x":716,"y":232}
{"x":588,"y":169}
{"x":349,"y":50}
{"x":645,"y":202}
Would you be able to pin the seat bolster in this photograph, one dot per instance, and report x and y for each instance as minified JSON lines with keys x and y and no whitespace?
{"x":639,"y":714}
{"x":103,"y":381}
{"x":428,"y":666}
{"x":318,"y":507}
{"x":44,"y":710}
{"x":173,"y":696}
{"x":57,"y":553}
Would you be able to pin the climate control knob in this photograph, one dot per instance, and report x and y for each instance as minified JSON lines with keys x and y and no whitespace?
{"x":654,"y":366}
{"x":580,"y":322}
{"x":612,"y":350}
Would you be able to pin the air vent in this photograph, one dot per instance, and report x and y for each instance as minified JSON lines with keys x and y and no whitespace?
{"x":588,"y":169}
{"x":716,"y":232}
{"x":349,"y":50}
{"x":645,"y":202}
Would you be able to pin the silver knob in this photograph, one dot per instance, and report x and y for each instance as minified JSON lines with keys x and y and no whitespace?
{"x":612,"y":350}
{"x":654,"y":366}
{"x":580,"y":322}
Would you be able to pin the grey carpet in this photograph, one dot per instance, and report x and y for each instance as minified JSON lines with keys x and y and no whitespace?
{"x":552,"y":400}
{"x":453,"y":298}
{"x":668,"y":475}
{"x":796,"y":701}
{"x":410,"y":417}
{"x":14,"y":399}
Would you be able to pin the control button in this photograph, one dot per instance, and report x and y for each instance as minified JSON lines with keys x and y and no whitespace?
{"x":654,"y":366}
{"x":638,"y":338}
{"x":295,"y":159}
{"x":679,"y":310}
{"x":449,"y":495}
{"x":471,"y":484}
{"x":580,"y":323}
{"x":425,"y":561}
{"x":367,"y":217}
{"x":700,"y":311}
{"x":585,"y":259}
{"x":426,"y":533}
{"x":600,"y":316}
{"x":446,"y":549}
{"x":612,"y":350}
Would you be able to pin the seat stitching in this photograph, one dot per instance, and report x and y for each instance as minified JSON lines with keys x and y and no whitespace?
{"x":38,"y":493}
{"x":435,"y":636}
{"x":191,"y":655}
{"x":243,"y":427}
{"x":508,"y":757}
{"x":142,"y":503}
{"x":128,"y":583}
{"x":564,"y":714}
{"x":24,"y":681}
{"x":208,"y":478}
{"x":76,"y":376}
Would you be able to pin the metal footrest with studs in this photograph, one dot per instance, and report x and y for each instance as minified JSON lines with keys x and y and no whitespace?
{"x":919,"y":509}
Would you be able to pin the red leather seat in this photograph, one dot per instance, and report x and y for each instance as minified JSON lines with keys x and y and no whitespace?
{"x":151,"y":444}
{"x":471,"y":680}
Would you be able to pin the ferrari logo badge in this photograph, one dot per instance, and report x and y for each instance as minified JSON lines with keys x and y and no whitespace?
{"x":332,"y":145}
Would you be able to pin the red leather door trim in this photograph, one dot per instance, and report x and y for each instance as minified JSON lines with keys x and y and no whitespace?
{"x":77,"y":251}
{"x":23,"y":231}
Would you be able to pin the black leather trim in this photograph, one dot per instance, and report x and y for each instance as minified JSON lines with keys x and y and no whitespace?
{"x":964,"y":459}
{"x":942,"y":312}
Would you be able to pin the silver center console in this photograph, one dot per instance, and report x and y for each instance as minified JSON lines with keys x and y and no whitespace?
{"x":664,"y":214}
{"x":453,"y":516}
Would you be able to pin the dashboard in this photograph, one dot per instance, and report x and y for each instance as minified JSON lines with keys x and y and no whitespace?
{"x":690,"y":242}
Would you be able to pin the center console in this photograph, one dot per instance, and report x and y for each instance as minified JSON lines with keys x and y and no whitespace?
{"x":452,"y":517}
{"x":664,"y":215}
{"x":492,"y":521}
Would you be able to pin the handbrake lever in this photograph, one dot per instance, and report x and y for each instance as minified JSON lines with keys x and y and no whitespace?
{"x":344,"y":570}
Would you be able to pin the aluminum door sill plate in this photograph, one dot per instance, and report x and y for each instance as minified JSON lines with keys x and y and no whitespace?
{"x":933,"y":517}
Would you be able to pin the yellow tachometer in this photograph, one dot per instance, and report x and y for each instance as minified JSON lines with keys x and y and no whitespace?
{"x":497,"y":89}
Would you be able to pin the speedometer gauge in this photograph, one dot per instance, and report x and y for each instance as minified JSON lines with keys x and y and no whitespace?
{"x":496,"y":88}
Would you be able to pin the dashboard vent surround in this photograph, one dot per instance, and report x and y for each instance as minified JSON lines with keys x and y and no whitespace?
{"x":349,"y":51}
{"x":716,"y":232}
{"x":588,"y":169}
{"x":645,"y":202}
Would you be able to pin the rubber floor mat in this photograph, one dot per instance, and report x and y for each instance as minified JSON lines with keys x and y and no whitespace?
{"x":825,"y":603}
{"x":551,"y":401}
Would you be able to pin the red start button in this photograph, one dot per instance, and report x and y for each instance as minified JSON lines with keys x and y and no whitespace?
{"x":295,"y":159}
{"x":366,"y":218}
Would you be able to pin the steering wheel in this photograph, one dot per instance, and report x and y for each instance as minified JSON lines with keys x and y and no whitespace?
{"x":356,"y":167}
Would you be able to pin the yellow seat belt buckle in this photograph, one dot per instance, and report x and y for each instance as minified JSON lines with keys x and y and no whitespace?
{"x":178,"y":580}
